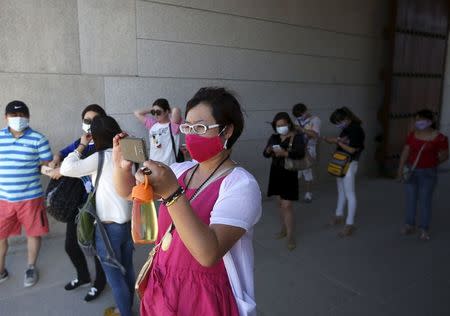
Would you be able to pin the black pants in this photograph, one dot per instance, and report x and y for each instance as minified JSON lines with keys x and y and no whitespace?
{"x":78,"y":259}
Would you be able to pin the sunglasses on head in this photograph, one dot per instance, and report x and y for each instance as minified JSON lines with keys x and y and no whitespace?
{"x":155,"y":112}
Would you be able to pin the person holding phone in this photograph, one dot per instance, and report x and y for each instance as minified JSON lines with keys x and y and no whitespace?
{"x":163,"y":127}
{"x":84,"y":145}
{"x":351,"y":140}
{"x":425,"y":149}
{"x":309,"y":125}
{"x":204,"y":264}
{"x":286,"y":142}
{"x":113,"y":210}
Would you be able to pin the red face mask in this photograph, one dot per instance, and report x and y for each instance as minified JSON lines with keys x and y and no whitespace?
{"x":203,"y":148}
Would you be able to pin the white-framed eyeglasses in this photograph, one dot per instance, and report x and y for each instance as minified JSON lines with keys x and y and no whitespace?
{"x":198,"y":129}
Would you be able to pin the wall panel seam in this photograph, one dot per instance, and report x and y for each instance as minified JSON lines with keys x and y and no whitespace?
{"x":112,"y":76}
{"x":267,"y":20}
{"x":250,"y":49}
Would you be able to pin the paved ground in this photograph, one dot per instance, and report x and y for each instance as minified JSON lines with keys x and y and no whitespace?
{"x":376,"y":272}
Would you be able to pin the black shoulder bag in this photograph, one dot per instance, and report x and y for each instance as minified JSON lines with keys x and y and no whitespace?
{"x":179,"y":157}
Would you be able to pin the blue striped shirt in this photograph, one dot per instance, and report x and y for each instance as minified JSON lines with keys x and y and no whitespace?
{"x":20,"y":160}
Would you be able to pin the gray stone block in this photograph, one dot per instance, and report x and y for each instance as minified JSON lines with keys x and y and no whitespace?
{"x":39,"y":36}
{"x":355,"y":17}
{"x":180,"y":24}
{"x":107,"y":36}
{"x":163,"y":59}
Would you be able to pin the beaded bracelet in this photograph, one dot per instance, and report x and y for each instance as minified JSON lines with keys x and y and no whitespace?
{"x":173,"y":197}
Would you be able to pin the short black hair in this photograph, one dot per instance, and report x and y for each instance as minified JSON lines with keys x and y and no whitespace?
{"x":299,"y":109}
{"x":282,"y":116}
{"x":344,"y":113}
{"x":103,"y":129}
{"x":94,"y":108}
{"x":226,"y":109}
{"x":163,"y":104}
{"x":428,"y":115}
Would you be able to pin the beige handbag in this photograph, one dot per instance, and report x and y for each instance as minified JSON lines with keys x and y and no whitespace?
{"x":298,"y":164}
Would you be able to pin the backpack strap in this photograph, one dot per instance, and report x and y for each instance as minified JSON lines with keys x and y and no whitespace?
{"x":110,"y":259}
{"x":101,"y":160}
{"x":110,"y":256}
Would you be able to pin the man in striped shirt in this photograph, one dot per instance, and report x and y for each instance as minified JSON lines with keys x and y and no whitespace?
{"x":22,"y":153}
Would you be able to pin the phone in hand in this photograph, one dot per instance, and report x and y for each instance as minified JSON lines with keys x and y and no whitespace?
{"x":47,"y":171}
{"x":134,"y":149}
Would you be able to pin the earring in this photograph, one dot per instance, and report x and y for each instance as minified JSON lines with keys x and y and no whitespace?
{"x":225,"y":144}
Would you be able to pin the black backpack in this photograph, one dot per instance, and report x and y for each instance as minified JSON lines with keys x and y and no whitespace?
{"x":64,"y":197}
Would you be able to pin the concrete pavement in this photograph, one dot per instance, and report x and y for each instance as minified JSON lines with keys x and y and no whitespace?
{"x":376,"y":272}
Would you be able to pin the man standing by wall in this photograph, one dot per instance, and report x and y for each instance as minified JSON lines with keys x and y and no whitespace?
{"x":22,"y":152}
{"x":310,"y":126}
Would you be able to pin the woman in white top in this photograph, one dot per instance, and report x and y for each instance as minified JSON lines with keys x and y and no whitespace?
{"x":113,"y":210}
{"x":204,"y":265}
{"x":163,"y":129}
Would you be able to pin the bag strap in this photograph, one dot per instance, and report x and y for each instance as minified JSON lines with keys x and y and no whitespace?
{"x":101,"y":160}
{"x":418,"y":157}
{"x":291,"y":141}
{"x":173,"y":141}
{"x":110,"y":257}
{"x":214,"y":178}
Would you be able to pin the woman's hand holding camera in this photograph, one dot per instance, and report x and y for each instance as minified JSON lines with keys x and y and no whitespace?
{"x":117,"y":153}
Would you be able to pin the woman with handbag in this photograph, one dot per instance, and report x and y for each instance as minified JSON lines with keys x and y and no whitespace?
{"x":203,"y":260}
{"x":425,"y":149}
{"x":283,"y":183}
{"x":350,"y":142}
{"x":113,"y":211}
{"x":72,"y":248}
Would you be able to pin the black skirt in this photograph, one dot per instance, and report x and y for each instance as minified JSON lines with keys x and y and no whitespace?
{"x":283,"y":182}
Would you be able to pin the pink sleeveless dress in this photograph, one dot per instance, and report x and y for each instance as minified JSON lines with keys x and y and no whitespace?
{"x":178,"y":284}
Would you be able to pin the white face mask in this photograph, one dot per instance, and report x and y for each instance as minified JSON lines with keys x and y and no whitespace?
{"x":86,"y":128}
{"x":18,"y":123}
{"x":283,"y":130}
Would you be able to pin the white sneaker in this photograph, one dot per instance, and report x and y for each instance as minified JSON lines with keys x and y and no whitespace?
{"x":308,"y":197}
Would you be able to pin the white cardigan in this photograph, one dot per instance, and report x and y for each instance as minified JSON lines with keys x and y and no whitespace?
{"x":110,"y":206}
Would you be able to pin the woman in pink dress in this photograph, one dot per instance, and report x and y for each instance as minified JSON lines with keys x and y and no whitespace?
{"x":204,"y":263}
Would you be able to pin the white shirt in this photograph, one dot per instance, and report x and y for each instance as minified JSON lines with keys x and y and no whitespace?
{"x":239,"y":205}
{"x":312,"y":123}
{"x":161,"y":148}
{"x":110,"y":206}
